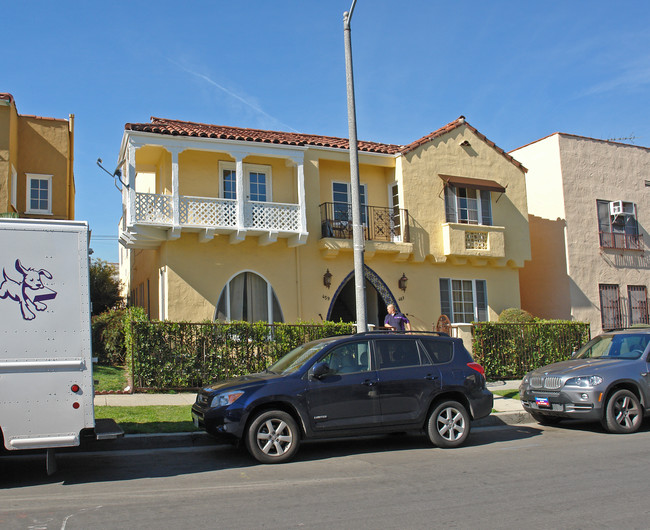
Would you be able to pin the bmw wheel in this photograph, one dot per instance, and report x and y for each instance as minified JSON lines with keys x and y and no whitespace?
{"x":273,"y":437}
{"x":623,"y":413}
{"x":448,"y":425}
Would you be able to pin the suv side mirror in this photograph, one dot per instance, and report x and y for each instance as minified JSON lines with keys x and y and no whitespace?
{"x":319,"y":370}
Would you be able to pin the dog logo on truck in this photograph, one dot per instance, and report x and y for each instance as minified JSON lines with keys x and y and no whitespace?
{"x":30,"y":292}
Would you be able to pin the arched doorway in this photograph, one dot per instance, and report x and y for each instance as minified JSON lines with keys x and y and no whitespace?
{"x":378,"y":296}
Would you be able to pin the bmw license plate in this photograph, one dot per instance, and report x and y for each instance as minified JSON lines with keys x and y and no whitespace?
{"x":542,"y":402}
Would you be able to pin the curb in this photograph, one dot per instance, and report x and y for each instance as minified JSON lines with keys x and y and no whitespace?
{"x":135,"y":442}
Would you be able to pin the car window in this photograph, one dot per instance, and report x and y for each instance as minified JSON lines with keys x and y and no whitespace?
{"x":624,"y":346}
{"x":440,"y":351}
{"x":396,"y":353}
{"x":297,"y":357}
{"x":348,"y":358}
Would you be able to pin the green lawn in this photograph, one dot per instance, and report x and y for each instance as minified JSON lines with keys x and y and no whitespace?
{"x":150,"y":419}
{"x":109,"y":378}
{"x":512,"y":394}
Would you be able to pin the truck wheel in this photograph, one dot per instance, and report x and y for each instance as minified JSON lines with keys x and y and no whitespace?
{"x":273,"y":437}
{"x":623,"y":414}
{"x":448,"y":425}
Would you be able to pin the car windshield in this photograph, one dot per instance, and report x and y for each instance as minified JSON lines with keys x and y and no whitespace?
{"x":623,"y":346}
{"x":297,"y":357}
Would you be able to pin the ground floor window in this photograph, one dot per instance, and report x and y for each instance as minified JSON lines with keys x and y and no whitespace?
{"x":250,"y":298}
{"x":464,"y":301}
{"x":638,"y":299}
{"x":610,"y":306}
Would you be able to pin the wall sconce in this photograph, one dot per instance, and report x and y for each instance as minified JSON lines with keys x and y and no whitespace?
{"x":402,"y":282}
{"x":327,"y":279}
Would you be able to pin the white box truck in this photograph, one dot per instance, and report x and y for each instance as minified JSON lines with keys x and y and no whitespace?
{"x":46,"y":370}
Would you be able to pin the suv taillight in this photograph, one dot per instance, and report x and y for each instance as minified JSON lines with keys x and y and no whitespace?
{"x":477,"y":367}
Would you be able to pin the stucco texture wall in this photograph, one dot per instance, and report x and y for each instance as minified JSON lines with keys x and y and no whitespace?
{"x":424,"y":196}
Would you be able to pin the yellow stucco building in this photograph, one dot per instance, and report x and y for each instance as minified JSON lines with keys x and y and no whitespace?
{"x":36,"y":164}
{"x":225,"y":223}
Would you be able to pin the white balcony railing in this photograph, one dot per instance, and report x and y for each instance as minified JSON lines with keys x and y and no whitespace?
{"x":204,"y":212}
{"x":153,"y":209}
{"x":272,"y":216}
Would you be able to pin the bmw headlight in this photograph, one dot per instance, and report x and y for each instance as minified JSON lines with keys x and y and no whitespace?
{"x":584,"y":381}
{"x":226,"y":398}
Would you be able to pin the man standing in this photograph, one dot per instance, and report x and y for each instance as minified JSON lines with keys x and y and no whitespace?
{"x":396,"y":321}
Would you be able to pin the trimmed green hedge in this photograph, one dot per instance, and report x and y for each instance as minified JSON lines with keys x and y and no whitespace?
{"x":184,"y":355}
{"x":509,"y":351}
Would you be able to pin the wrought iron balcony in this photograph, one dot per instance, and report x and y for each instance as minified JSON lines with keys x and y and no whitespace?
{"x":621,"y":240}
{"x":379,"y":223}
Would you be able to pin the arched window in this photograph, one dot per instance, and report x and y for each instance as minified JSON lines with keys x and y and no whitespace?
{"x":249,"y":297}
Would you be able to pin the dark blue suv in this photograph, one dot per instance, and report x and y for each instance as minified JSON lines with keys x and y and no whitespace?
{"x":368,"y":383}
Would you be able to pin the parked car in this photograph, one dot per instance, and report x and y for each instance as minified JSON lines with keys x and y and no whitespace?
{"x":368,"y":383}
{"x":607,"y":380}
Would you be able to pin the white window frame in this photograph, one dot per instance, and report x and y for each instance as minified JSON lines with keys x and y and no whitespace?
{"x":28,"y":208}
{"x":348,"y":192}
{"x":475,"y":307}
{"x":453,"y":191}
{"x":257,"y":168}
{"x":248,"y":169}
{"x":269,"y":298}
{"x":14,"y":188}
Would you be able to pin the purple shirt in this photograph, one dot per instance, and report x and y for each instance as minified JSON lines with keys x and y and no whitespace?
{"x":396,"y":320}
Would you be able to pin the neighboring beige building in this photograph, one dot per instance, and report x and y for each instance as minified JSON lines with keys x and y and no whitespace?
{"x":36,"y":164}
{"x":589,"y":206}
{"x":242,"y":224}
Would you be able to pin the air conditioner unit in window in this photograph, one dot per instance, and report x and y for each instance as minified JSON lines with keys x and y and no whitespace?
{"x":617,"y":208}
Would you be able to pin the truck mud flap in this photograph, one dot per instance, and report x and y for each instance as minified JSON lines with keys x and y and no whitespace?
{"x":107,"y":429}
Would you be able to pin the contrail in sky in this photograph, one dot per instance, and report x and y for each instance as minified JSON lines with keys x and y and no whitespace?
{"x":231,"y":94}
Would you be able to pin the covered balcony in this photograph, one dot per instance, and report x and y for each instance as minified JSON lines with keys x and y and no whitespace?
{"x":151,"y":218}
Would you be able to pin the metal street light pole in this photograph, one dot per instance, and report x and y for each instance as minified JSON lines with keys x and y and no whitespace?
{"x":357,"y":228}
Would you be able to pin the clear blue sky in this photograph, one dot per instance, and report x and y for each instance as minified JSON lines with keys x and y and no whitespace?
{"x":517,"y":70}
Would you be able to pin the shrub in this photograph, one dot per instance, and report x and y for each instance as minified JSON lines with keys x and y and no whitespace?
{"x":108,"y":337}
{"x":515,"y":315}
{"x":181,"y":355}
{"x":508,"y":351}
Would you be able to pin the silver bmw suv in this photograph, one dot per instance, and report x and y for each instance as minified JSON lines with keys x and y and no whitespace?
{"x":607,"y":380}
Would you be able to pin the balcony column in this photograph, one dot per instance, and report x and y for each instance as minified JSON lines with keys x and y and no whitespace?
{"x":240,"y":233}
{"x":129,"y":189}
{"x":301,"y":237}
{"x":175,"y":232}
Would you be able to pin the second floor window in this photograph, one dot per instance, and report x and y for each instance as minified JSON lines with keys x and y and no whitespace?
{"x":342,"y":199}
{"x":468,"y":205}
{"x":257,"y":181}
{"x":39,"y":194}
{"x":618,"y":230}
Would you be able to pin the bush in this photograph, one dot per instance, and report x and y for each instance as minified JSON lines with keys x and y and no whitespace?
{"x":183,"y":355}
{"x":514,"y":315}
{"x":509,"y":351}
{"x":108,"y":337}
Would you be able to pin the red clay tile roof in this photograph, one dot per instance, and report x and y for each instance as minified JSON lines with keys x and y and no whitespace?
{"x":202,"y":130}
{"x":450,"y":127}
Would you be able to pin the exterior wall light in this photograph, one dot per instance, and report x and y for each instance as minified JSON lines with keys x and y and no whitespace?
{"x":327,"y":279}
{"x":402,"y":282}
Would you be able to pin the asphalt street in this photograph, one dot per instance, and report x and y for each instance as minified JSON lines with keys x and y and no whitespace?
{"x":506,"y":477}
